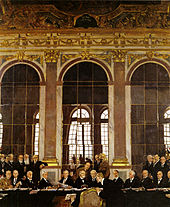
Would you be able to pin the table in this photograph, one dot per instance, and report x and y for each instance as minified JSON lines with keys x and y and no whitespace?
{"x":55,"y":198}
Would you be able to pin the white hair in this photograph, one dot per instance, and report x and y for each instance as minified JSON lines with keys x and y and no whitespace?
{"x":133,"y":172}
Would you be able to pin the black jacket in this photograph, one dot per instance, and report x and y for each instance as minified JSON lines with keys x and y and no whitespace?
{"x":14,"y":183}
{"x":162,"y":184}
{"x":80,"y":182}
{"x":28,"y":184}
{"x":69,"y":181}
{"x":147,"y":183}
{"x":44,"y":183}
{"x":134,"y":184}
{"x":35,"y":168}
{"x":20,"y":167}
{"x":149,"y":167}
{"x":112,"y":194}
{"x":119,"y":182}
{"x":92,"y":182}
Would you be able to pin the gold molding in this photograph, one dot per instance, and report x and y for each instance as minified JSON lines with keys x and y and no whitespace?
{"x":120,"y":162}
{"x":86,"y":40}
{"x":51,"y":56}
{"x":51,"y":162}
{"x":149,"y":54}
{"x":86,"y":55}
{"x":20,"y":56}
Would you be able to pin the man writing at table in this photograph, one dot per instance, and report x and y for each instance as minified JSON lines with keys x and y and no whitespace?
{"x":111,"y":192}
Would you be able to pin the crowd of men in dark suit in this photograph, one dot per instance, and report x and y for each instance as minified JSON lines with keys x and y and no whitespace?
{"x":25,"y":173}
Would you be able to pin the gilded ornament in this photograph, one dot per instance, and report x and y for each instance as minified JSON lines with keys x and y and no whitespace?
{"x":51,"y":56}
{"x":20,"y":56}
{"x":119,"y":55}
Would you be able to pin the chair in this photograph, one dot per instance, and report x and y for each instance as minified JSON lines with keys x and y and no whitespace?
{"x":89,"y":198}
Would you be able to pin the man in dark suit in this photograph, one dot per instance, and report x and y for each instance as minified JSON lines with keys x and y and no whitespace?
{"x":161,"y":182}
{"x":81,"y":180}
{"x":149,"y":165}
{"x":168,"y":180}
{"x":92,"y":182}
{"x":27,"y":163}
{"x":132,"y":181}
{"x":146,"y":182}
{"x":28,"y":182}
{"x":19,"y":165}
{"x":117,"y":180}
{"x":163,"y":166}
{"x":156,"y":166}
{"x":97,"y":162}
{"x":66,"y":179}
{"x":9,"y":165}
{"x":16,"y":181}
{"x":2,"y":165}
{"x":44,"y":182}
{"x":35,"y":167}
{"x":111,"y":192}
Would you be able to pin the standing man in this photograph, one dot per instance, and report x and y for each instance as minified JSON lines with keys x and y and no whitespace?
{"x":35,"y":167}
{"x":111,"y":193}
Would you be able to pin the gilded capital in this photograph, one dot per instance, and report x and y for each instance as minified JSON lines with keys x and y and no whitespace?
{"x":119,"y":55}
{"x":51,"y":56}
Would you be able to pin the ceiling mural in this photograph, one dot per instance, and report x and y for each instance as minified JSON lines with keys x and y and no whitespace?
{"x":81,"y":14}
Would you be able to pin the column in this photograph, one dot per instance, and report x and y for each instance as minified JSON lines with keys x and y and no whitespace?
{"x":51,"y":57}
{"x":119,"y":109}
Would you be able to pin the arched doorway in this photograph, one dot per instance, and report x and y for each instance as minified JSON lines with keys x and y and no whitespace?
{"x":150,"y":96}
{"x":19,"y":102}
{"x":85,"y":91}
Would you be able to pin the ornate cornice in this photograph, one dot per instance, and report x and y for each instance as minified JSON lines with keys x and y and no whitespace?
{"x":85,"y":40}
{"x":51,"y":56}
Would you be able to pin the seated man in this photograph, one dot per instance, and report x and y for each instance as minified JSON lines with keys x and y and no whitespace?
{"x":132,"y":181}
{"x":117,"y":180}
{"x":168,"y":180}
{"x":6,"y":182}
{"x":66,"y":179}
{"x":111,"y":192}
{"x":44,"y":183}
{"x":81,"y":181}
{"x":160,"y":182}
{"x":28,"y":182}
{"x":146,"y":182}
{"x":16,"y":181}
{"x":86,"y":168}
{"x":92,"y":182}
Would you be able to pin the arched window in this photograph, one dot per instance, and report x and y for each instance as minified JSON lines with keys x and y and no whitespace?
{"x":36,"y":138}
{"x":1,"y":131}
{"x":149,"y":99}
{"x":79,"y":139}
{"x":85,"y":95}
{"x":104,"y":132}
{"x":167,"y":129}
